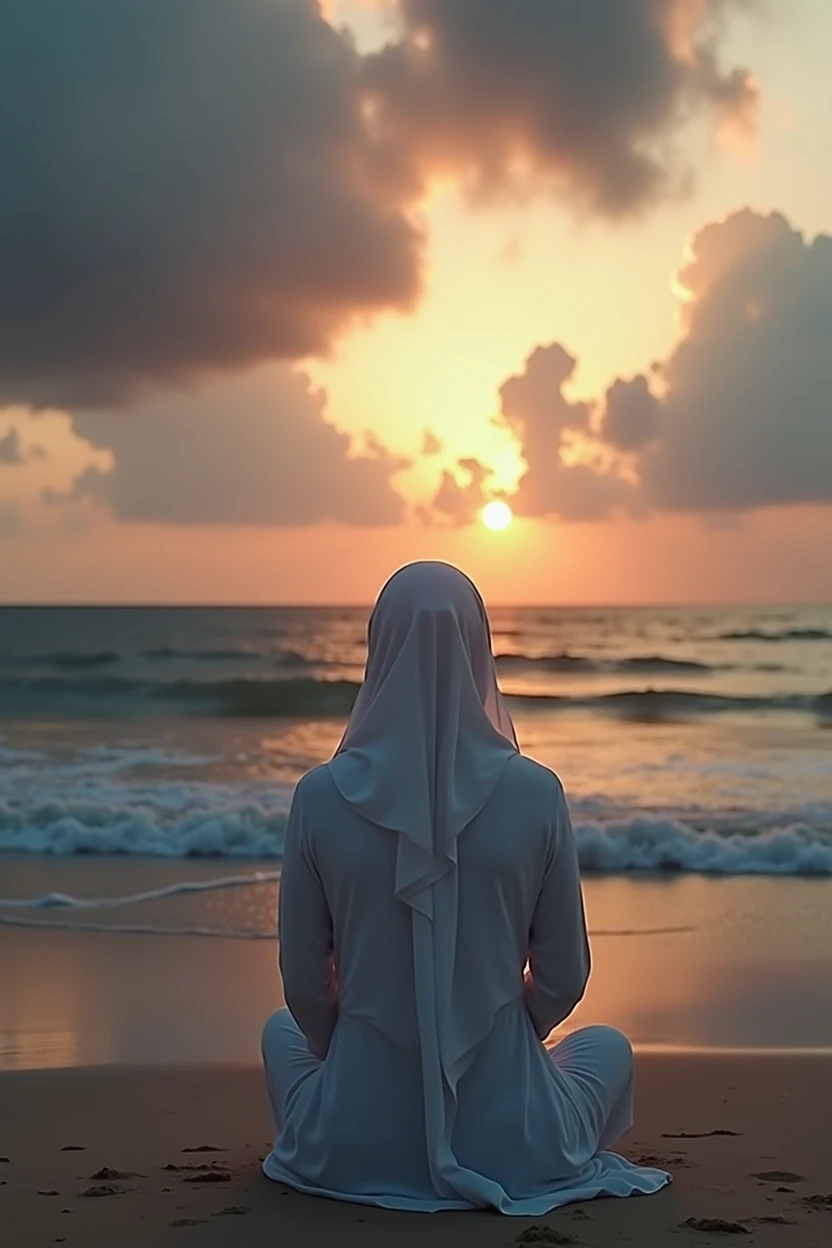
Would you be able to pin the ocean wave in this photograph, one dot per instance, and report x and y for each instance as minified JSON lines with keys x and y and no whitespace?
{"x":784,"y":634}
{"x":68,"y":814}
{"x":69,"y":660}
{"x":670,"y":705}
{"x":670,"y":845}
{"x":308,"y":697}
{"x":246,"y":697}
{"x":251,"y":829}
{"x":647,"y":664}
{"x":91,"y":660}
{"x":216,"y":655}
{"x":231,"y":654}
{"x":547,"y":662}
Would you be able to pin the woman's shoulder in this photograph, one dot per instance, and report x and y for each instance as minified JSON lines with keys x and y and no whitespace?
{"x":315,"y":785}
{"x":534,"y":779}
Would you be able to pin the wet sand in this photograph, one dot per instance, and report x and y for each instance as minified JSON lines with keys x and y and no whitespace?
{"x":746,"y":1137}
{"x":686,"y":962}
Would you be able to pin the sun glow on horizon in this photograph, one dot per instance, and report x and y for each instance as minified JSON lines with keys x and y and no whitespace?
{"x":496,"y":515}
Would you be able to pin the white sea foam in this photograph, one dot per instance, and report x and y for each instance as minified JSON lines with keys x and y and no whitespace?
{"x":120,"y":799}
{"x":656,"y":844}
{"x":169,"y":828}
{"x":175,"y":828}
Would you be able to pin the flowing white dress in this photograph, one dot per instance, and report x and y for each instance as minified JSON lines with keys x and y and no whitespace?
{"x":417,"y":1079}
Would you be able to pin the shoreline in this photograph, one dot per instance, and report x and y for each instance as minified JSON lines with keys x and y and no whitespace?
{"x":728,"y":948}
{"x":745,"y":1138}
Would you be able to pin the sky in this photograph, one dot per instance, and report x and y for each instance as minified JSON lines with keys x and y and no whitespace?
{"x":289,"y":292}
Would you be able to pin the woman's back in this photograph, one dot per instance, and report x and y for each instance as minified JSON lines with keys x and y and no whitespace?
{"x":502,"y":859}
{"x":432,"y":932}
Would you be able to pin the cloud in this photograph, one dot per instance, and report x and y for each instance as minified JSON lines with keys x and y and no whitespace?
{"x":432,"y":444}
{"x":745,"y":418}
{"x":250,"y":450}
{"x":737,"y":418}
{"x":546,"y":424}
{"x":586,"y":96}
{"x":10,"y":450}
{"x":197,"y":186}
{"x":631,"y":414}
{"x":188,"y":184}
{"x":12,"y":453}
{"x":459,"y":501}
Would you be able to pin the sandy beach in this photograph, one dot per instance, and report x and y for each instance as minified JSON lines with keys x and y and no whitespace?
{"x":745,"y":1137}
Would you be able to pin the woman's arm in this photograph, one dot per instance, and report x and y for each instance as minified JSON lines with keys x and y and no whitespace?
{"x":305,"y":932}
{"x":559,"y":959}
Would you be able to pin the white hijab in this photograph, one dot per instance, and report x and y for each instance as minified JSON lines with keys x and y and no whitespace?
{"x":430,"y":734}
{"x":427,"y":742}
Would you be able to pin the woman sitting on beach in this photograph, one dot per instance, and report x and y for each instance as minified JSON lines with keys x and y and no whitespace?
{"x":432,"y":935}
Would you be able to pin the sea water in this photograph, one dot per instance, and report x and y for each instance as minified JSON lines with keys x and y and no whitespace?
{"x":148,"y":756}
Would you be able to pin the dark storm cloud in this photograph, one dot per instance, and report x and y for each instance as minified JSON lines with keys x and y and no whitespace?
{"x":250,"y":450}
{"x":186,"y":183}
{"x":741,"y":414}
{"x":746,"y":413}
{"x":585,"y":94}
{"x":631,"y":414}
{"x":205,"y":183}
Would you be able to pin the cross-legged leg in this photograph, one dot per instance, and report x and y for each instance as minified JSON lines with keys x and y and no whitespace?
{"x":287,"y":1061}
{"x":599,"y":1060}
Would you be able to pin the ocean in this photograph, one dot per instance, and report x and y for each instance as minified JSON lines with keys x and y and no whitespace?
{"x":148,"y":756}
{"x":687,"y":739}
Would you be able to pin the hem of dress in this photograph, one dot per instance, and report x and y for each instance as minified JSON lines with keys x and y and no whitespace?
{"x":535,"y":1206}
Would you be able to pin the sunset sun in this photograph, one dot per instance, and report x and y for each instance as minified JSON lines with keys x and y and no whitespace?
{"x":496,"y":515}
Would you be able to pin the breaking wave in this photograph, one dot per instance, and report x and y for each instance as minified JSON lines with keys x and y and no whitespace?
{"x":784,"y":634}
{"x":565,"y":663}
{"x":252,"y":829}
{"x":248,"y":697}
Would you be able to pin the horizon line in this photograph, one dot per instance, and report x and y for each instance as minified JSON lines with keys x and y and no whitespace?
{"x":648,"y":605}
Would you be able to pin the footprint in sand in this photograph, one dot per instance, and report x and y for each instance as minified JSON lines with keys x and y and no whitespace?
{"x":696,"y":1135}
{"x":779,"y":1176}
{"x":818,"y":1201}
{"x":658,"y":1161}
{"x":108,"y":1174}
{"x":105,"y":1189}
{"x":719,"y":1226}
{"x":543,"y":1235}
